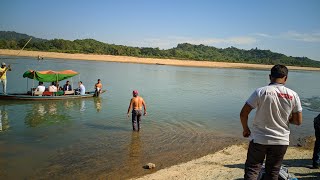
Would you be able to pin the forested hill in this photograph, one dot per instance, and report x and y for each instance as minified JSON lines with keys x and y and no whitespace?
{"x":13,"y":40}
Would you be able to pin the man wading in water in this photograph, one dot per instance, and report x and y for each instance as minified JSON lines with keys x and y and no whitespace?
{"x":136,"y":104}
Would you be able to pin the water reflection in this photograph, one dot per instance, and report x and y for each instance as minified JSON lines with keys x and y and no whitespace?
{"x":97,"y":103}
{"x":135,"y":147}
{"x":45,"y":113}
{"x":82,"y":106}
{"x":4,"y":120}
{"x":68,"y":104}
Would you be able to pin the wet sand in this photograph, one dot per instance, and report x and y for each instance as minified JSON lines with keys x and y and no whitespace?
{"x":127,"y":59}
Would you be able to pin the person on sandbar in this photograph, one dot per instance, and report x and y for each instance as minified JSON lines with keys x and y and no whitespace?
{"x":136,"y":104}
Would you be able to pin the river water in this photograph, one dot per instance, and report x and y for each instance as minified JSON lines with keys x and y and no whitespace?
{"x":191,"y":112}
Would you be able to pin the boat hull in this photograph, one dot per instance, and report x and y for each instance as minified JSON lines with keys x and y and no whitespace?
{"x":42,"y":98}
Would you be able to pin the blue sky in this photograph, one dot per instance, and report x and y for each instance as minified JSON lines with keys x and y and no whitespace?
{"x":290,"y":27}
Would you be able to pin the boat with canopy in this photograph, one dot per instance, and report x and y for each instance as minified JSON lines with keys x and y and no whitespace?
{"x":47,"y":76}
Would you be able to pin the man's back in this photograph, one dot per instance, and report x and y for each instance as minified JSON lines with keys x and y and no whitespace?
{"x":137,"y":103}
{"x":52,"y":88}
{"x":274,"y":105}
{"x":41,"y":88}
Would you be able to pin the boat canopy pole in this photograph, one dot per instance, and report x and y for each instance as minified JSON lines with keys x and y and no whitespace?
{"x":27,"y":84}
{"x":72,"y":85}
{"x":34,"y":75}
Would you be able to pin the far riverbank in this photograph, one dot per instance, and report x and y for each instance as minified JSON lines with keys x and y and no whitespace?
{"x":127,"y":59}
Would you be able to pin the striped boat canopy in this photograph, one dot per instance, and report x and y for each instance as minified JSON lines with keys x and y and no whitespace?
{"x":49,"y":75}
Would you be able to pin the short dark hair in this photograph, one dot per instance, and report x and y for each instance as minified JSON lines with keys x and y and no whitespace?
{"x":279,"y":71}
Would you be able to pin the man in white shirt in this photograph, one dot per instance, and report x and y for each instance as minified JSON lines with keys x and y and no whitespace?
{"x":82,"y":89}
{"x":52,"y":88}
{"x":41,"y":87}
{"x":277,"y":106}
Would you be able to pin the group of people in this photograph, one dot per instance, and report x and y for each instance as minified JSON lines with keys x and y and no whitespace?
{"x":276,"y":107}
{"x":54,"y":87}
{"x":81,"y":90}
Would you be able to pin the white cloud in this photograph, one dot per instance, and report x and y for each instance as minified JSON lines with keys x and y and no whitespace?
{"x":293,"y":35}
{"x":262,"y":35}
{"x":306,"y":37}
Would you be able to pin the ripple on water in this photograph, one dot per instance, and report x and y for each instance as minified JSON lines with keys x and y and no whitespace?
{"x":312,"y":104}
{"x":97,"y":156}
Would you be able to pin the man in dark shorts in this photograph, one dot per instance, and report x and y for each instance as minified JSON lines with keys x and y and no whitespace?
{"x":136,"y":104}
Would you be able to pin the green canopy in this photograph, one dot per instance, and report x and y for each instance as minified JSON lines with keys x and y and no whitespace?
{"x":49,"y":75}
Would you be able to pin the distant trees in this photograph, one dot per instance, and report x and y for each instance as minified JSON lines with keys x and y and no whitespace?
{"x":13,"y":40}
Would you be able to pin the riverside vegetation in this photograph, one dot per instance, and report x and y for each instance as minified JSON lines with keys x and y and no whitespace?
{"x":185,"y":51}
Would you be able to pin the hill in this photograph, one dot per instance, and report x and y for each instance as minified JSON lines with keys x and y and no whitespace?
{"x":186,"y":51}
{"x":11,"y":35}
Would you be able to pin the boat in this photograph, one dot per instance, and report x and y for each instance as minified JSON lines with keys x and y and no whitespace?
{"x":47,"y":76}
{"x":26,"y":96}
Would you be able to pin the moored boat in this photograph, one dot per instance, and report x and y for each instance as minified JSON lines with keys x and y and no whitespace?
{"x":47,"y":76}
{"x":26,"y":96}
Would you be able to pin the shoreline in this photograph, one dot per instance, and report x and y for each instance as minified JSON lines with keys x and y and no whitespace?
{"x":155,"y":61}
{"x":229,"y":164}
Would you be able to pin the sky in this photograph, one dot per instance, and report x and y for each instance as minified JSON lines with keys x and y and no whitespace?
{"x":290,"y":27}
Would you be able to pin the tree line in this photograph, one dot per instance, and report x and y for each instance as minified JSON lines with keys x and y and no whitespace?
{"x":185,"y":51}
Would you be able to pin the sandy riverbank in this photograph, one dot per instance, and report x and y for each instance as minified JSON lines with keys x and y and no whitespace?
{"x":127,"y":59}
{"x":229,"y":164}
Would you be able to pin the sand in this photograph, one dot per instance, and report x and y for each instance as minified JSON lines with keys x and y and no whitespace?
{"x":229,"y":164}
{"x":127,"y":59}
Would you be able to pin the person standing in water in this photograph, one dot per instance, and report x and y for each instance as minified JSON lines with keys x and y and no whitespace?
{"x":136,"y":104}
